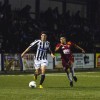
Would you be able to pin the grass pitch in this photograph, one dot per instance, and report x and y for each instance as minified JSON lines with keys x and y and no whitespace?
{"x":56,"y":87}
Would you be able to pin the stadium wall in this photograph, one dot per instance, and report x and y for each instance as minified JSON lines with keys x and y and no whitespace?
{"x":98,"y":60}
{"x":14,"y":62}
{"x":80,"y":60}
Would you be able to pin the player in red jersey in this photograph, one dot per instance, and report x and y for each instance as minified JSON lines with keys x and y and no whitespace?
{"x":64,"y":47}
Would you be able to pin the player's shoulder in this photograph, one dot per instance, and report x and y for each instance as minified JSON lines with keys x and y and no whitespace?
{"x":70,"y":43}
{"x":35,"y":41}
{"x":47,"y":42}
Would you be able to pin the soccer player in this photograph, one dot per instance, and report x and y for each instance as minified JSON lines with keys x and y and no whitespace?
{"x":64,"y":47}
{"x":40,"y":61}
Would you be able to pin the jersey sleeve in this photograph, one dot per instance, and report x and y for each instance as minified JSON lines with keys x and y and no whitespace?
{"x":33,"y":43}
{"x":71,"y":43}
{"x":58,"y":45}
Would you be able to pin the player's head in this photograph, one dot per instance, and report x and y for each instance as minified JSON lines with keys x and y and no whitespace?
{"x":62,"y":39}
{"x":43,"y":36}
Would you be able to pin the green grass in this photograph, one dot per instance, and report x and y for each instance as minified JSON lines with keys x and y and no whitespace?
{"x":56,"y":87}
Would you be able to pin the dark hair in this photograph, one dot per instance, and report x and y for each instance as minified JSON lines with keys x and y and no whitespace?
{"x":43,"y":32}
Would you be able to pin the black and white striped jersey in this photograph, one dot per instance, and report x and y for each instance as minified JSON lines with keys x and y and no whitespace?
{"x":42,"y":49}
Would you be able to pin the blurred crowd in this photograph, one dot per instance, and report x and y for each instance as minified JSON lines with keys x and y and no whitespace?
{"x":18,"y":29}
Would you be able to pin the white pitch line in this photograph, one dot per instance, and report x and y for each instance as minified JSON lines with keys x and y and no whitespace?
{"x":61,"y":74}
{"x":76,"y":75}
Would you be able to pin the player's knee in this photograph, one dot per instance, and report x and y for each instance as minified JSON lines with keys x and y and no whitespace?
{"x":43,"y":71}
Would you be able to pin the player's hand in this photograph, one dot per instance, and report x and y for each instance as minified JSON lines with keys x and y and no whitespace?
{"x":22,"y":55}
{"x":58,"y":47}
{"x":83,"y":51}
{"x":61,"y":45}
{"x":52,"y":55}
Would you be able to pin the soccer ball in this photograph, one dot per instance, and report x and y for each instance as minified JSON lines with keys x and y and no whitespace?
{"x":32,"y":84}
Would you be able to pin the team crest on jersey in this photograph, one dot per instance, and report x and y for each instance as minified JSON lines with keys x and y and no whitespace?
{"x":68,"y":46}
{"x":63,"y":47}
{"x":69,"y":43}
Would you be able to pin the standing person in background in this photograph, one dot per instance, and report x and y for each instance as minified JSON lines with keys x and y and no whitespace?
{"x":40,"y":61}
{"x":64,"y":47}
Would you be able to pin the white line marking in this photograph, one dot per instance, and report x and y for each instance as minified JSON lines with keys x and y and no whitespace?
{"x":79,"y":74}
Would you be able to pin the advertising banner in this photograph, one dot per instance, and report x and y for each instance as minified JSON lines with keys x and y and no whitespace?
{"x":58,"y":62}
{"x":50,"y":62}
{"x":28,"y":62}
{"x":80,"y":60}
{"x":83,"y":60}
{"x":97,"y":59}
{"x":89,"y":60}
{"x":0,"y":62}
{"x":12,"y":62}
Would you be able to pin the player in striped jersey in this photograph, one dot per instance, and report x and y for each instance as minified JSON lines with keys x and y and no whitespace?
{"x":40,"y":61}
{"x":64,"y":47}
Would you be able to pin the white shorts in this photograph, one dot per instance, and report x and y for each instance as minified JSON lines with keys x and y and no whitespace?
{"x":39,"y":63}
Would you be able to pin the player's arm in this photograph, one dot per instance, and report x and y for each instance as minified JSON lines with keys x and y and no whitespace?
{"x":52,"y":55}
{"x":58,"y":47}
{"x":83,"y":51}
{"x":26,"y":50}
{"x":31,"y":45}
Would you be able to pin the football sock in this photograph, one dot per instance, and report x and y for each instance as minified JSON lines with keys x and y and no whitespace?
{"x":69,"y":76}
{"x":42,"y":79}
{"x":72,"y":70}
{"x":35,"y":76}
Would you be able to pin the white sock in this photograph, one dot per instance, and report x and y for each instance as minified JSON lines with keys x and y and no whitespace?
{"x":72,"y":70}
{"x":69,"y":76}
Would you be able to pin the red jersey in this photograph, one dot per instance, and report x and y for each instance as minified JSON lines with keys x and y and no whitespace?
{"x":65,"y":50}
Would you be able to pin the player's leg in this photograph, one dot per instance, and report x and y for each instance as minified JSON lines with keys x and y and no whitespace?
{"x":36,"y":73}
{"x":67,"y":70}
{"x":71,"y":61}
{"x":42,"y":76}
{"x":44,"y":64}
{"x":73,"y":72}
{"x":37,"y":69}
{"x":69,"y":75}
